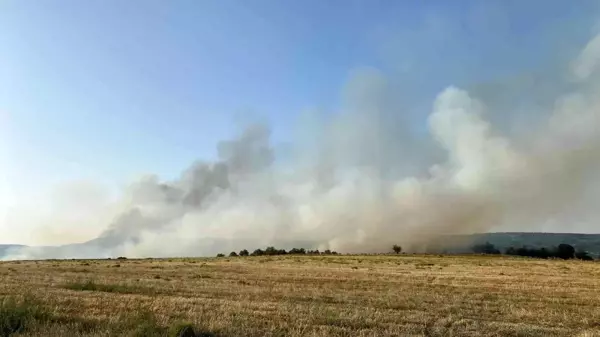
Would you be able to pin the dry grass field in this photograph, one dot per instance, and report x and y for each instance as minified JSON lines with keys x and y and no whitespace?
{"x":406,"y":295}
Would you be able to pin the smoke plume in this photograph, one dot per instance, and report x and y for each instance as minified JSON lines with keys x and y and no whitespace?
{"x":360,"y":180}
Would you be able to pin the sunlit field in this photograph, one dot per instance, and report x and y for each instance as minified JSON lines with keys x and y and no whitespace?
{"x":380,"y":295}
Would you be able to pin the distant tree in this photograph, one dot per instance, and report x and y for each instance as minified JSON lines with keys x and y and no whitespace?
{"x":583,"y":255}
{"x":220,"y":255}
{"x":397,"y":249}
{"x":486,"y":248}
{"x":271,"y":251}
{"x":233,"y":254}
{"x":258,"y":252}
{"x":523,"y":251}
{"x":327,"y":252}
{"x":544,"y":253}
{"x":297,"y":251}
{"x":244,"y":252}
{"x":313,"y":252}
{"x":281,"y":252}
{"x":566,"y":251}
{"x":563,"y":251}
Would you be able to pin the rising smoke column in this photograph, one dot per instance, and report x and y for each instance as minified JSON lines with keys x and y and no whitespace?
{"x":362,"y":186}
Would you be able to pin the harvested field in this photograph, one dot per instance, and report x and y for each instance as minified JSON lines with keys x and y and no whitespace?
{"x":404,"y":295}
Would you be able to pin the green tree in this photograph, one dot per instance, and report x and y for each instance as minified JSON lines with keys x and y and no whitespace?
{"x":297,"y":251}
{"x":566,"y":251}
{"x":271,"y":251}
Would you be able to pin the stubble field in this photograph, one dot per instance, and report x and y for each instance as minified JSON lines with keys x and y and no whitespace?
{"x":404,"y":295}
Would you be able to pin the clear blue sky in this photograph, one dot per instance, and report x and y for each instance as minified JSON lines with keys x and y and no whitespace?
{"x":109,"y":89}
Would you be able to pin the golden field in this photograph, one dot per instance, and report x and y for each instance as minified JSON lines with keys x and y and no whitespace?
{"x":378,"y":295}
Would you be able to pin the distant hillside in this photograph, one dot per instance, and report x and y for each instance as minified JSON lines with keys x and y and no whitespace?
{"x":450,"y":244}
{"x":585,"y":242}
{"x":4,"y":249}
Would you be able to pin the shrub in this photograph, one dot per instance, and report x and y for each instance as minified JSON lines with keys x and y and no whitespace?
{"x":220,"y":255}
{"x":142,"y":324}
{"x":233,"y":254}
{"x":181,"y":330}
{"x":121,"y":258}
{"x":397,"y":249}
{"x":88,"y":285}
{"x":244,"y":252}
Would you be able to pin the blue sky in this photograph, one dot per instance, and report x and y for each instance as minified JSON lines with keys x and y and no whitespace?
{"x":109,"y":89}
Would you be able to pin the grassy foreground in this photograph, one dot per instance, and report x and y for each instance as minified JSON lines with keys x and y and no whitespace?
{"x":407,"y":295}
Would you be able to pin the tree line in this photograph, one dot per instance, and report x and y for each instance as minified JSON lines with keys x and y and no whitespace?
{"x":563,"y":251}
{"x":269,"y":251}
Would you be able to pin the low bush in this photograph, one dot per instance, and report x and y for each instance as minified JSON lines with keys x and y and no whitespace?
{"x":181,"y":330}
{"x":90,"y":285}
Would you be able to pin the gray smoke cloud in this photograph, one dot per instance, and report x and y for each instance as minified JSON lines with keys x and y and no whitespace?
{"x":363,"y":179}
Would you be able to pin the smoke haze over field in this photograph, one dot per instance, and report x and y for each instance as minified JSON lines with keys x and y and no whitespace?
{"x":361,"y":179}
{"x":348,"y":190}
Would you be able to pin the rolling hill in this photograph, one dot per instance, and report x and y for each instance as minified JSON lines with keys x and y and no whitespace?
{"x":451,"y":244}
{"x":4,"y":249}
{"x":502,"y":241}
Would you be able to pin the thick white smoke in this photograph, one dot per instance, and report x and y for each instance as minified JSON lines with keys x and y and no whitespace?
{"x":361,"y":182}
